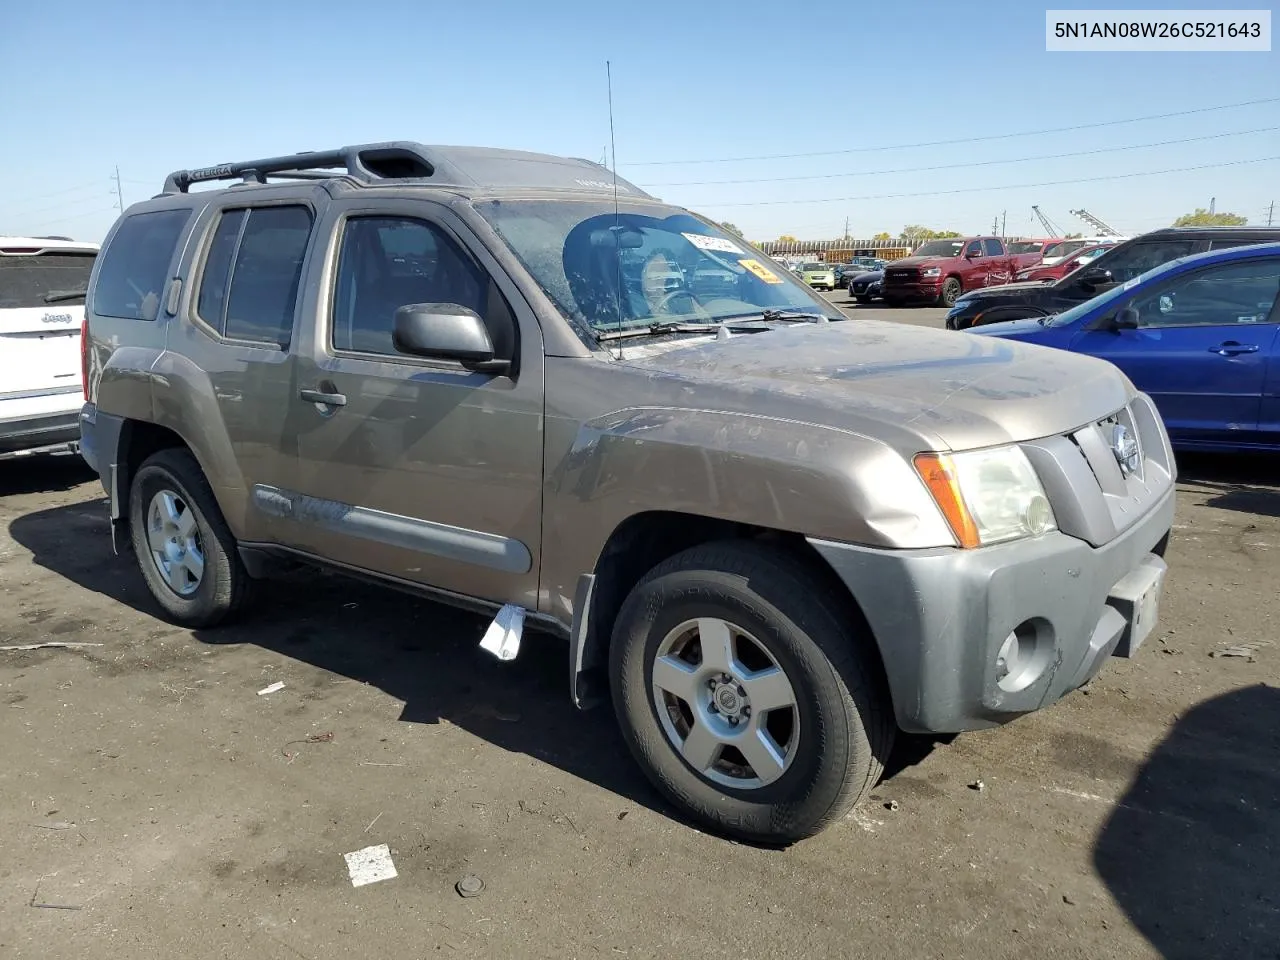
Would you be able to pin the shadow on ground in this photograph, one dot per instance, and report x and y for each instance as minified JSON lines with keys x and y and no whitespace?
{"x":1245,"y":483}
{"x":422,"y":653}
{"x":43,"y":473}
{"x":1192,"y":852}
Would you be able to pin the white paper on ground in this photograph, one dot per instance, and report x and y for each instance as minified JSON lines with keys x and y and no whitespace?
{"x":272,"y":688}
{"x":370,"y":865}
{"x":502,"y":639}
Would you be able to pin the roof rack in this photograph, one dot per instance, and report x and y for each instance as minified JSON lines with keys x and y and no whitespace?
{"x":370,"y":161}
{"x":466,"y":167}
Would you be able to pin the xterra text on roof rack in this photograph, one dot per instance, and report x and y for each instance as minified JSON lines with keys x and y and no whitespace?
{"x":771,"y":539}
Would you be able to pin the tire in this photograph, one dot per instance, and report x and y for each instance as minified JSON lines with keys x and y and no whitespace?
{"x":836,"y":732}
{"x":192,"y":517}
{"x":951,"y":290}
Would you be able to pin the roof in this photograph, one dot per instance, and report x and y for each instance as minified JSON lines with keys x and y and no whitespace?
{"x":466,"y":170}
{"x":1247,"y":230}
{"x":42,"y":244}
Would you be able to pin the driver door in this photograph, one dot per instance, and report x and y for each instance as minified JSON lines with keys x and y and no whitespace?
{"x":1201,"y":348}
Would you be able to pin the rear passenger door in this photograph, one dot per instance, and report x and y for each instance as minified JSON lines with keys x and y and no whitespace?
{"x":999,"y":267}
{"x":243,"y":301}
{"x":414,"y":468}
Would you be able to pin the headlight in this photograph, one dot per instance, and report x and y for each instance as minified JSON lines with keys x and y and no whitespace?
{"x":987,"y":496}
{"x":931,"y":272}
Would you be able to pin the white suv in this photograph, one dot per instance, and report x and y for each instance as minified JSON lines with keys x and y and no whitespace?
{"x":42,"y":285}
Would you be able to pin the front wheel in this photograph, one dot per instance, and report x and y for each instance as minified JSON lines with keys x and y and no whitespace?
{"x":951,"y":290}
{"x":746,"y":694}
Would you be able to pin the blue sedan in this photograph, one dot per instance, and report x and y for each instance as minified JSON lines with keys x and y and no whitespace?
{"x":1200,"y":335}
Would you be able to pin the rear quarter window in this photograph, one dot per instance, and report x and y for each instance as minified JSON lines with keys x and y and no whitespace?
{"x":135,"y":265}
{"x":29,"y":279}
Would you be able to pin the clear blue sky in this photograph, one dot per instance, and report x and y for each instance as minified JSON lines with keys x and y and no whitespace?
{"x":154,"y":86}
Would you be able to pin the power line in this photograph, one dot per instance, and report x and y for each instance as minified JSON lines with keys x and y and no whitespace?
{"x":941,"y":143}
{"x":80,"y":216}
{"x":976,"y":163}
{"x":95,"y":187}
{"x":1008,"y":186}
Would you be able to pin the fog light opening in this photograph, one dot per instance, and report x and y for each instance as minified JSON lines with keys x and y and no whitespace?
{"x":1020,"y":660}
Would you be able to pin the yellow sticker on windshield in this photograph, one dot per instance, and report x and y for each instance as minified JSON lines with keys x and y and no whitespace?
{"x":760,"y":270}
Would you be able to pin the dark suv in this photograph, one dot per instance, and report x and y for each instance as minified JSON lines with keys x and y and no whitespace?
{"x":1127,"y":260}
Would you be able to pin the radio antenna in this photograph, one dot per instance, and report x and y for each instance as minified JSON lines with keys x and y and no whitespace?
{"x":617,"y":219}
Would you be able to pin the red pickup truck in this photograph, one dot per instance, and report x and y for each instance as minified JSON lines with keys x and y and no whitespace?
{"x":941,"y":270}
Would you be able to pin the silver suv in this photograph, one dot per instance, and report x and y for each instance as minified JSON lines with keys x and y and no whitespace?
{"x":773,"y":537}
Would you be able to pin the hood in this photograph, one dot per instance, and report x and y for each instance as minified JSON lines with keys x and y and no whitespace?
{"x":916,"y":261}
{"x":1011,"y":291}
{"x":1027,"y":328}
{"x":913,"y":387}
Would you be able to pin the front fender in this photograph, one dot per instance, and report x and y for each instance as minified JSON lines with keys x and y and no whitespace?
{"x":806,"y":478}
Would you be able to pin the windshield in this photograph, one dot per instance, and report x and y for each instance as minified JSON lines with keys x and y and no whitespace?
{"x":647,"y":264}
{"x":941,"y":248}
{"x":1104,"y":302}
{"x":812,"y":267}
{"x":1066,"y":248}
{"x":26,"y":280}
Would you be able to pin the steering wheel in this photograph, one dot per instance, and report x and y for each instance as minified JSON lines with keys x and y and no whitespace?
{"x":670,"y":295}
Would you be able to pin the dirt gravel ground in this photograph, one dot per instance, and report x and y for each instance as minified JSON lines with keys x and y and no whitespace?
{"x":152,"y":804}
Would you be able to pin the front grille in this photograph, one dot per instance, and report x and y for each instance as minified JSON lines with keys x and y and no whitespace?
{"x":1094,"y":497}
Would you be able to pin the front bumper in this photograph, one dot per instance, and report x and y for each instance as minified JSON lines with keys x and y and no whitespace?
{"x":914,"y":290}
{"x":940,"y":617}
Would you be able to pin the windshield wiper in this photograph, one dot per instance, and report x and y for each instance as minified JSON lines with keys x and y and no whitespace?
{"x":664,"y":327}
{"x":57,"y":296}
{"x":769,"y":315}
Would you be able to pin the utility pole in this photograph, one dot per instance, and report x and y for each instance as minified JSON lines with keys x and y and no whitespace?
{"x":846,"y":228}
{"x":1271,"y":211}
{"x":1003,"y":222}
{"x":1213,"y":204}
{"x":119,"y":191}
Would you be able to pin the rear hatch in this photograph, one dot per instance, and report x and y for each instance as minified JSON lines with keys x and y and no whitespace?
{"x":39,"y":324}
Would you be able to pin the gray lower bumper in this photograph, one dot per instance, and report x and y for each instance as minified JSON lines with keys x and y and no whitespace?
{"x":940,"y":618}
{"x":31,"y":433}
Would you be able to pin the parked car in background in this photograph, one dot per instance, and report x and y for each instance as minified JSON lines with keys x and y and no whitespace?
{"x":941,"y":270}
{"x":1027,"y":253}
{"x":1118,"y":264}
{"x":820,"y":276}
{"x":1200,"y":335}
{"x":845,"y":272}
{"x":1041,"y":273}
{"x":42,"y":289}
{"x":1059,"y":250}
{"x":865,"y":287}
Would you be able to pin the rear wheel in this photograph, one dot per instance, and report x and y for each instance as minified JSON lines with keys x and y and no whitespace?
{"x":746,"y":695}
{"x":951,"y":289}
{"x":185,"y":550}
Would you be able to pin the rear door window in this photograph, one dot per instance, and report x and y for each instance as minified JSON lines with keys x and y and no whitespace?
{"x":1135,"y":259}
{"x":993,"y":247}
{"x":43,"y":279}
{"x":249,"y":286}
{"x":135,"y":265}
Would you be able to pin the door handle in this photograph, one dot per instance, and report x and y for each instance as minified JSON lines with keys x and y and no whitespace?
{"x":328,"y":399}
{"x":1231,"y":348}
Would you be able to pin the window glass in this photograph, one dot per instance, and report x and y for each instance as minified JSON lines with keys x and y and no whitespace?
{"x":1135,"y":259}
{"x":211,"y":304}
{"x":265,"y":277}
{"x":993,"y":247}
{"x":136,"y":265}
{"x":388,"y":262}
{"x":974,"y":249}
{"x":1226,"y":294}
{"x":28,"y":280}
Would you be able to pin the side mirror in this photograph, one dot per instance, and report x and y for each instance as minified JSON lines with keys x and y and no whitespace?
{"x":446,"y":331}
{"x":1126,"y":319}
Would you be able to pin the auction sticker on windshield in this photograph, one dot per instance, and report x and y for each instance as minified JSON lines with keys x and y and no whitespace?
{"x":760,"y":270}
{"x":711,"y":243}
